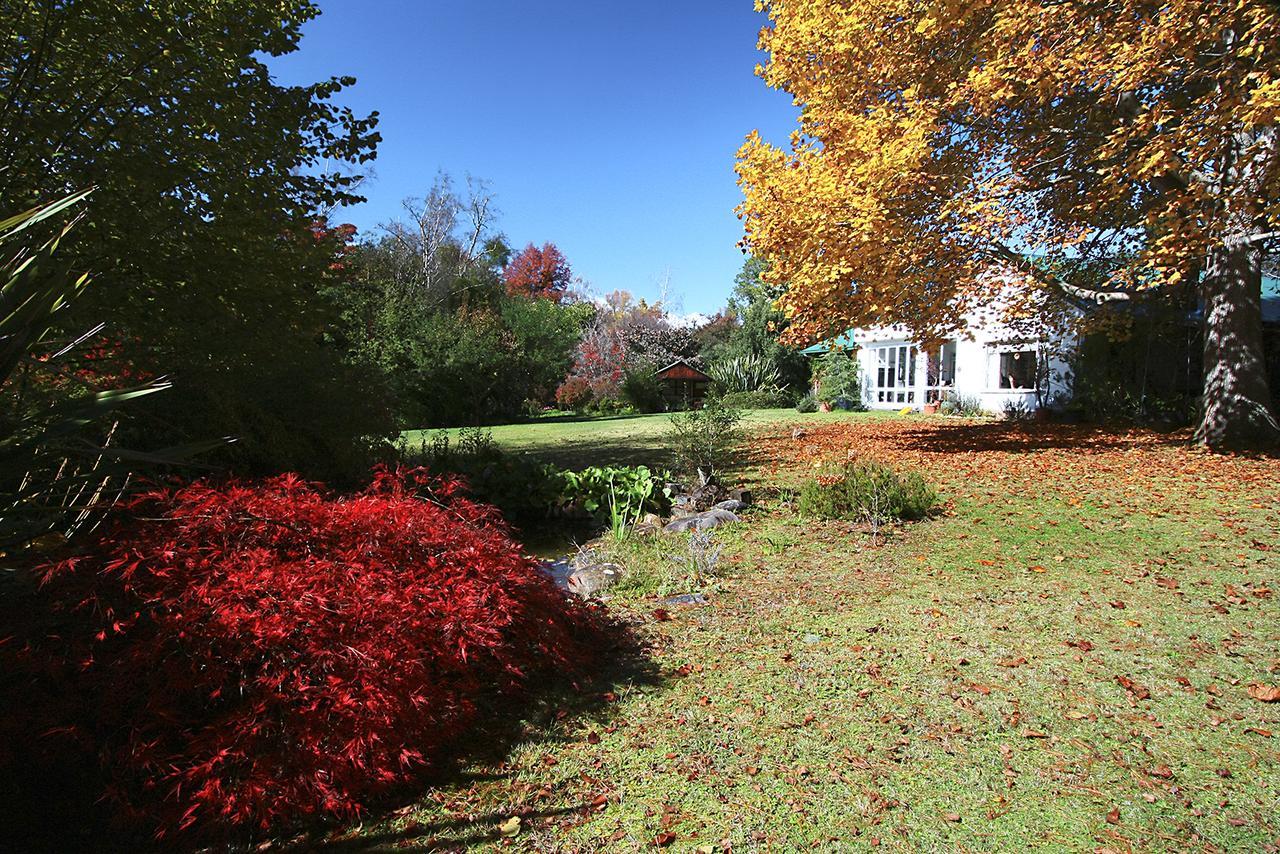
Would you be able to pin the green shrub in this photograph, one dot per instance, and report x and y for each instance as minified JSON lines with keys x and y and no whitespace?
{"x":526,"y":491}
{"x":613,"y":493}
{"x":869,"y":491}
{"x":967,"y":405}
{"x":808,"y":403}
{"x":705,"y":438}
{"x":840,"y":379}
{"x":748,"y":372}
{"x":641,"y":389}
{"x":530,"y":492}
{"x":775,"y":398}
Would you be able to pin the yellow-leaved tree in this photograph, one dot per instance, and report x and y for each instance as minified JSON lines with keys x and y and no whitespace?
{"x":941,"y":141}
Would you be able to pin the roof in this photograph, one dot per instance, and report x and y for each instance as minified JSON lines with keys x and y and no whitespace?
{"x":843,"y":341}
{"x":681,"y":370}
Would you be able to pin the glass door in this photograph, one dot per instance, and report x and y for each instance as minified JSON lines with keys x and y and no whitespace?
{"x":895,"y":374}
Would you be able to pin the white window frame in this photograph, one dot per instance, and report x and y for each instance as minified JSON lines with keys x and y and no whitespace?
{"x":997,"y":352}
{"x":891,"y":375}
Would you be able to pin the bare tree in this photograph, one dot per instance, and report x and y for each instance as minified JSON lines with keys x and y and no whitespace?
{"x":444,"y":234}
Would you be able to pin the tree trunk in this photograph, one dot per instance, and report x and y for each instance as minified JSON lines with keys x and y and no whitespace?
{"x":1238,"y":415}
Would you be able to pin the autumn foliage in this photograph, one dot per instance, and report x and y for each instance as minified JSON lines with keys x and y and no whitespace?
{"x":953,"y":159}
{"x":541,"y":272}
{"x":249,"y":655}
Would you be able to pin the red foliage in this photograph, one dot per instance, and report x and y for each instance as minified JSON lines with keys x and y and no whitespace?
{"x":252,"y":654}
{"x":574,"y":393}
{"x":538,"y":272}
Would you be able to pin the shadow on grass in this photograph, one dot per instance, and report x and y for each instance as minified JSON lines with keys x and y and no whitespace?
{"x":440,"y":834}
{"x":1026,"y":437}
{"x":629,"y":665}
{"x":603,"y":452}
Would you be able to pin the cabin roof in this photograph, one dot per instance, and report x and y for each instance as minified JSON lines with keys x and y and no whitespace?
{"x":680,"y":369}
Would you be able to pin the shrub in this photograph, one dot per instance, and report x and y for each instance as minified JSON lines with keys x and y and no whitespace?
{"x":525,"y":490}
{"x":705,"y":438}
{"x":808,"y":403}
{"x":869,"y":491}
{"x":248,"y":655}
{"x":967,"y":405}
{"x":573,"y":394}
{"x":1018,"y":410}
{"x":529,"y":492}
{"x":840,"y":378}
{"x":641,"y":389}
{"x":748,"y":372}
{"x":773,"y":398}
{"x":612,"y":491}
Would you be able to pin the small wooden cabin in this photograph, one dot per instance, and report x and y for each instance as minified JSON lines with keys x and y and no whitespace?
{"x":683,"y":385}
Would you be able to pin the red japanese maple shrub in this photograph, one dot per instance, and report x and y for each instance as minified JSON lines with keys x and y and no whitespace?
{"x":259,"y":653}
{"x":574,"y":393}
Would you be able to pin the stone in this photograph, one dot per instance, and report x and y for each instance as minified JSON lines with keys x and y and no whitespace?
{"x":651,"y":523}
{"x":559,"y":571}
{"x":684,"y":505}
{"x":733,"y":505}
{"x":743,"y":495}
{"x":701,"y":521}
{"x":686,"y":599}
{"x":592,"y":580}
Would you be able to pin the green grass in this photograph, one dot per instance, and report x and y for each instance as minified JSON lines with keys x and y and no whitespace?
{"x":959,"y":686}
{"x":578,"y":442}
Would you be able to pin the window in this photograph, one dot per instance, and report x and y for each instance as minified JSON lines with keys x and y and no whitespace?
{"x":895,"y":375}
{"x":1018,"y":369}
{"x":940,"y":368}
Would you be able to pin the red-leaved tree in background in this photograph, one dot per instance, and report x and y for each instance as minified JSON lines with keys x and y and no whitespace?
{"x":541,"y":272}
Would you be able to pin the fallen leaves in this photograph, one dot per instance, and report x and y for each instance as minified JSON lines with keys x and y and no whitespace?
{"x":1265,"y":693}
{"x":1012,"y":662}
{"x":1135,"y":691}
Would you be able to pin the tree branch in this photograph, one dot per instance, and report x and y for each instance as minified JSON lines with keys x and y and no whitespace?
{"x":1045,"y":277}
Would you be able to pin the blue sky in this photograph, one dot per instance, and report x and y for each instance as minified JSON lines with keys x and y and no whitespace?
{"x":608,"y":128}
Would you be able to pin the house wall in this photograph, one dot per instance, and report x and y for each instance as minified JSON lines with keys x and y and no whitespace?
{"x":977,"y":372}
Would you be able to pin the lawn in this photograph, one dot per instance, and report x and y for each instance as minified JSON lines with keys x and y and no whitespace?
{"x":1061,"y":660}
{"x":611,"y":439}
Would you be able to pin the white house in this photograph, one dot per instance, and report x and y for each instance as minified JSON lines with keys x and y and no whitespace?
{"x":989,"y":364}
{"x":997,"y":366}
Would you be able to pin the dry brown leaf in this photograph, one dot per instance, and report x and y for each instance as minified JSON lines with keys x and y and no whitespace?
{"x":1265,"y":693}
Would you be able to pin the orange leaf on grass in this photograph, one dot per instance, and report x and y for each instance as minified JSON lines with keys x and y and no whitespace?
{"x":1265,"y":693}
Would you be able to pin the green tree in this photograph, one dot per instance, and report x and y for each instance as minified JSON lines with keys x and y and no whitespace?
{"x":759,"y":324}
{"x":209,"y":176}
{"x":426,"y":303}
